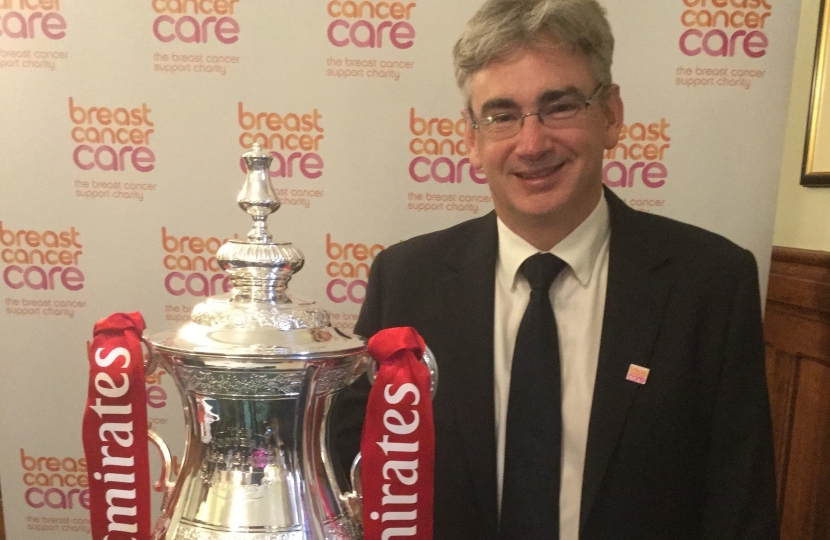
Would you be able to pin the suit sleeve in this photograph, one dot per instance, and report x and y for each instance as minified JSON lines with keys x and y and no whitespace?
{"x":350,"y":408}
{"x":369,"y":322}
{"x":740,"y":483}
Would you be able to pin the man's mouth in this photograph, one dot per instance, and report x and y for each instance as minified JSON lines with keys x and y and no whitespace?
{"x":538,"y":173}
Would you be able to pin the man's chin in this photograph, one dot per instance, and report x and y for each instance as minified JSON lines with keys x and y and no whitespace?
{"x":539,"y":215}
{"x":551,"y":210}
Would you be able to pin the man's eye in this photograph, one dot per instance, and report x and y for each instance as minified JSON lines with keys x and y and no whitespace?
{"x":503,"y":118}
{"x":565,"y":106}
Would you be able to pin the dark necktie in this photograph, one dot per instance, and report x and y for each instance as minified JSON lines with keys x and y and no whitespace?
{"x":533,"y":446}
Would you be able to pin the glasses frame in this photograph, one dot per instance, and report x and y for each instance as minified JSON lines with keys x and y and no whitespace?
{"x":488,"y":120}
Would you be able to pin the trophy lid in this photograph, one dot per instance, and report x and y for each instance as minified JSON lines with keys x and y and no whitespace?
{"x":259,"y":317}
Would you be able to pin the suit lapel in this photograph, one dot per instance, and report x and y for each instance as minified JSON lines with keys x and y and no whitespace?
{"x":465,"y":303}
{"x":639,"y":280}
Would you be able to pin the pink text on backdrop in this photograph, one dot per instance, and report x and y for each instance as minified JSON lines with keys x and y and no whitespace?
{"x":112,"y":139}
{"x":53,"y":482}
{"x":31,"y":19}
{"x":637,"y":157}
{"x":354,"y":24}
{"x":293,"y":139}
{"x":195,"y":21}
{"x":349,"y":267}
{"x":718,"y":43}
{"x":725,"y":28}
{"x":156,"y":395}
{"x":440,"y":137}
{"x":192,"y":264}
{"x":41,"y":260}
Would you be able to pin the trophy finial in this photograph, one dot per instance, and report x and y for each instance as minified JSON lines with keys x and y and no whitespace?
{"x":259,"y":268}
{"x":257,"y":197}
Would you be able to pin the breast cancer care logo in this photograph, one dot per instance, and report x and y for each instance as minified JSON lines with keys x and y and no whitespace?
{"x":41,"y":260}
{"x":190,"y":262}
{"x":55,"y":482}
{"x":371,"y":24}
{"x":31,"y":19}
{"x":348,"y":267}
{"x":191,"y":21}
{"x":111,"y":138}
{"x":294,"y":141}
{"x":439,"y":156}
{"x":293,"y":138}
{"x":725,"y":28}
{"x":439,"y":150}
{"x":637,"y":162}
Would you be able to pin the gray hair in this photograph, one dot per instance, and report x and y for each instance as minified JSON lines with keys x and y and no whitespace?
{"x":501,"y":27}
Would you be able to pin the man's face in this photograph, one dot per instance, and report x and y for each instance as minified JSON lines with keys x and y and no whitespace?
{"x":543,"y":176}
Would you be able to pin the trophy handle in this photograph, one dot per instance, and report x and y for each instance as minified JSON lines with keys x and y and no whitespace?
{"x":151,"y":361}
{"x":429,"y":361}
{"x":354,"y":498}
{"x":164,"y":484}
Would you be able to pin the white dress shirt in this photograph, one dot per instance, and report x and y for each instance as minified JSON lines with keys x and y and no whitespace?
{"x":578,"y":299}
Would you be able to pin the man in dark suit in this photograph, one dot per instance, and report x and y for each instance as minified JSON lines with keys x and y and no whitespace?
{"x":660,"y":414}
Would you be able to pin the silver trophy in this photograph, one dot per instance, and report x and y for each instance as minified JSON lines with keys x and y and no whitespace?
{"x":258,"y":370}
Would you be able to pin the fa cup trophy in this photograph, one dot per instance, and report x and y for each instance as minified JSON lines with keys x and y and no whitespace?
{"x":258,"y":370}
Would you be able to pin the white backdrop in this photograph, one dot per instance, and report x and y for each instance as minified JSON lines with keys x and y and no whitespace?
{"x":122,"y":124}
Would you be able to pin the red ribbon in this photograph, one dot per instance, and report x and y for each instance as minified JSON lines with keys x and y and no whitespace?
{"x":398,"y":443}
{"x":115,"y":431}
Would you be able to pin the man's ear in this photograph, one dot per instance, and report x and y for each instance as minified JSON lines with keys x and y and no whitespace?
{"x":613,"y":111}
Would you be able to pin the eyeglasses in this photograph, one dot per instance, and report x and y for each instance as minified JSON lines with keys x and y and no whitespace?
{"x":505,"y":125}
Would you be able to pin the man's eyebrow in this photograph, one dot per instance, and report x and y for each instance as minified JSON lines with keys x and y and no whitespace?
{"x":498,"y":103}
{"x":553,"y":95}
{"x":546,"y":97}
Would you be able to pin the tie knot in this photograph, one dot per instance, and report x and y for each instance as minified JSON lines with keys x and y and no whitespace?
{"x":541,"y":269}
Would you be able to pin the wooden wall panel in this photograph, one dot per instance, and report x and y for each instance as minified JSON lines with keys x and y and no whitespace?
{"x":797,"y":334}
{"x":781,"y":374}
{"x":807,"y":497}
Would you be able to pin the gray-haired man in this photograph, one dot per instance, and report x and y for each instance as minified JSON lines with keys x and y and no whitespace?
{"x":629,"y":402}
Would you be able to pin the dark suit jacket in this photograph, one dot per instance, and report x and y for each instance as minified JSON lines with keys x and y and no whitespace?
{"x":688,"y":455}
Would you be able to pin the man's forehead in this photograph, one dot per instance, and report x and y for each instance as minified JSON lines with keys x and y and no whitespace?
{"x":545,"y":96}
{"x":530,"y":74}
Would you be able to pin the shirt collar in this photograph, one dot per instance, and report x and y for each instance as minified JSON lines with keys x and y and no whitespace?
{"x":579,"y":249}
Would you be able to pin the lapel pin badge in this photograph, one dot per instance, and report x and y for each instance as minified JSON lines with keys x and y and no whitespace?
{"x":637,"y":374}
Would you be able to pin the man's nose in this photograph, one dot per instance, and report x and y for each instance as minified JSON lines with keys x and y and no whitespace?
{"x":533,"y":137}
